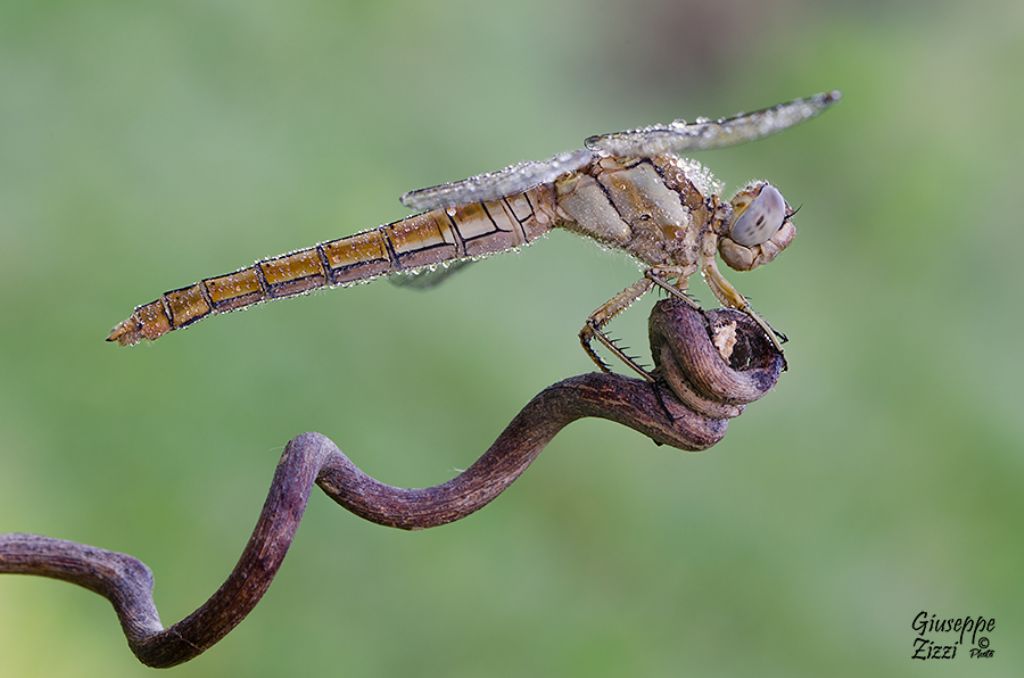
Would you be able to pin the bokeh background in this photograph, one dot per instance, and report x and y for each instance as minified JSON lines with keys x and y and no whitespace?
{"x":146,"y":145}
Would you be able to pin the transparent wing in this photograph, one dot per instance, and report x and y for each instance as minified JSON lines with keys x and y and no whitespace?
{"x":493,"y":185}
{"x":426,"y":280}
{"x":680,"y":136}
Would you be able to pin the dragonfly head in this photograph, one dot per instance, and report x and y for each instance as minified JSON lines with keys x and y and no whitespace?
{"x":758,"y":228}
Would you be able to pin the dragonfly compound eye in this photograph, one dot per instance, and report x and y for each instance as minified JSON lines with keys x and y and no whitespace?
{"x":761,"y":219}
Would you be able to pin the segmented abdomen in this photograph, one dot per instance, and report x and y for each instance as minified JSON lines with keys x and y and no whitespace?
{"x":423,"y":240}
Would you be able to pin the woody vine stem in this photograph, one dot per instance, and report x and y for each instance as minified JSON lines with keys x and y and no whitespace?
{"x":708,"y":365}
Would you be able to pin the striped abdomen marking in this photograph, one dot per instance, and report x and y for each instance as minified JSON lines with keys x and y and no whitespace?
{"x":416,"y":242}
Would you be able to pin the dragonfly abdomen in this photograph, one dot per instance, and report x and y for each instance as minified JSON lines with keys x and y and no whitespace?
{"x":421,"y":241}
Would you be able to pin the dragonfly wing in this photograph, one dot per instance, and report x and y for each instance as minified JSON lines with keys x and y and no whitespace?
{"x":493,"y":185}
{"x":680,"y":136}
{"x":426,"y":280}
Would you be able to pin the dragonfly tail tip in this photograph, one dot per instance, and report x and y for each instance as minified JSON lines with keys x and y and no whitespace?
{"x":125,"y":333}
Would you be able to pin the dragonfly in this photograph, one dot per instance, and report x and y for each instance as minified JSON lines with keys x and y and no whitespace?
{"x":633,"y":191}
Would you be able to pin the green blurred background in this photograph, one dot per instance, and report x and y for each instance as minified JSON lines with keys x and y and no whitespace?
{"x":145,"y":145}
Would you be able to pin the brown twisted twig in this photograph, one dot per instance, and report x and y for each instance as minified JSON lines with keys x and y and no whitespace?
{"x":688,"y":408}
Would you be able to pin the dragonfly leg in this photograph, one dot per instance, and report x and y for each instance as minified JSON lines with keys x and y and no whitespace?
{"x":661,"y":277}
{"x":730,"y":296}
{"x":594,"y":327}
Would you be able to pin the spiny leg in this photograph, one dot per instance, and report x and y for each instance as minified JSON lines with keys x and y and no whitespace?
{"x":730,"y":296}
{"x":660,"y":277}
{"x":593,"y":328}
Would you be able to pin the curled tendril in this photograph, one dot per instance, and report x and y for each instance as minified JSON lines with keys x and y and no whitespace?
{"x":708,"y":364}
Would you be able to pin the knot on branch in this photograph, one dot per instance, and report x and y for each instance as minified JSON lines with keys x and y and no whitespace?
{"x":718,"y":377}
{"x":709,"y":365}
